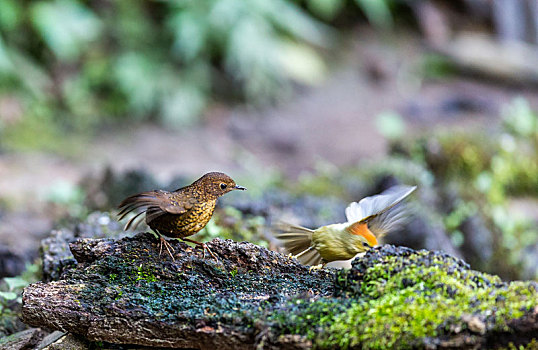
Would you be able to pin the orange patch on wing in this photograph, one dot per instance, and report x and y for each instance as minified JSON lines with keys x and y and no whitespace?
{"x":361,"y":229}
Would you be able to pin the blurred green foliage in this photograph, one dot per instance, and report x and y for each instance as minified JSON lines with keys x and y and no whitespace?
{"x":230,"y":223}
{"x":435,"y":66}
{"x":11,"y":298}
{"x":377,"y":12}
{"x":390,"y":124}
{"x":68,"y":199}
{"x":68,"y":66}
{"x":488,"y":170}
{"x":498,"y":164}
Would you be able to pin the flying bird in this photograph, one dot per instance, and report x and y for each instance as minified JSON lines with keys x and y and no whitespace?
{"x":367,"y":221}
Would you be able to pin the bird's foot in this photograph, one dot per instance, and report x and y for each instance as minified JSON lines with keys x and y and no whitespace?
{"x":168,"y":247}
{"x":316,"y":267}
{"x":204,"y":247}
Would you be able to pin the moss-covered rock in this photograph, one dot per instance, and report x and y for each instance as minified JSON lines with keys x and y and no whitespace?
{"x":122,"y":291}
{"x":55,"y":253}
{"x":398,"y":297}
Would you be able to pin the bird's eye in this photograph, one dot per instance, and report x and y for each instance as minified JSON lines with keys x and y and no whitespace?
{"x":223,"y":186}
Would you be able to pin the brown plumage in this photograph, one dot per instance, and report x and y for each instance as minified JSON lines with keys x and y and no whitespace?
{"x":180,"y":213}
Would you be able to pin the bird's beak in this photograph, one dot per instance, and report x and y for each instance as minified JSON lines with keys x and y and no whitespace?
{"x":237,"y":187}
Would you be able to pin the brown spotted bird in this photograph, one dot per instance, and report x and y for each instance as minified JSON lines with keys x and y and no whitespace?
{"x":181,"y":213}
{"x":367,"y":221}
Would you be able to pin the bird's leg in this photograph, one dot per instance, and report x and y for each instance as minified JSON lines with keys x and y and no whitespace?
{"x":167,"y":245}
{"x":203,"y":246}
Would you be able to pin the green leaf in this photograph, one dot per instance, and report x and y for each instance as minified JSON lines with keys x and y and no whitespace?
{"x":136,"y":75}
{"x":190,"y":30}
{"x":390,"y":125}
{"x":326,"y":9}
{"x":8,"y":295}
{"x":10,"y":14}
{"x":301,"y":63}
{"x":64,"y":192}
{"x":5,"y":62}
{"x":31,"y":74}
{"x":252,"y":58}
{"x":298,"y":23}
{"x":377,"y":12}
{"x":66,"y":27}
{"x":183,"y":105}
{"x":520,"y":118}
{"x":15,"y":282}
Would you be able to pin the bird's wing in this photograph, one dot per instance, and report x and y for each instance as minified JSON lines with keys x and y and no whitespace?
{"x":381,"y":212}
{"x":154,"y":204}
{"x":354,"y":212}
{"x":177,"y":202}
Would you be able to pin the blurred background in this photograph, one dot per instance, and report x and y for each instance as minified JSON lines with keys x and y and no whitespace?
{"x":310,"y":104}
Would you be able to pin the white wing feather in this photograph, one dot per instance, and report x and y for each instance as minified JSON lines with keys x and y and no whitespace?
{"x":381,"y":211}
{"x":354,"y":212}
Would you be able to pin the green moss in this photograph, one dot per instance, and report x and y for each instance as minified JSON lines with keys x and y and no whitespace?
{"x":395,"y":315}
{"x":533,"y":345}
{"x":144,"y":273}
{"x":189,"y":290}
{"x":398,"y":301}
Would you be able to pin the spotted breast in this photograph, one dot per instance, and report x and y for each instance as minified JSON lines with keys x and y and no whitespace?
{"x":186,"y":224}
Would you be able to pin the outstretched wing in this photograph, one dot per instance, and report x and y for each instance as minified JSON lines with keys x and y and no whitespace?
{"x":381,"y":212}
{"x":153,"y":204}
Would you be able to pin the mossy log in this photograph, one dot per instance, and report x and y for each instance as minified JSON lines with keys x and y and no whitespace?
{"x":123,"y":292}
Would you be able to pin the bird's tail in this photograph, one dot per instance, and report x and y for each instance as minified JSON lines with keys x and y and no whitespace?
{"x":297,"y":240}
{"x":382,"y":213}
{"x":142,"y":201}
